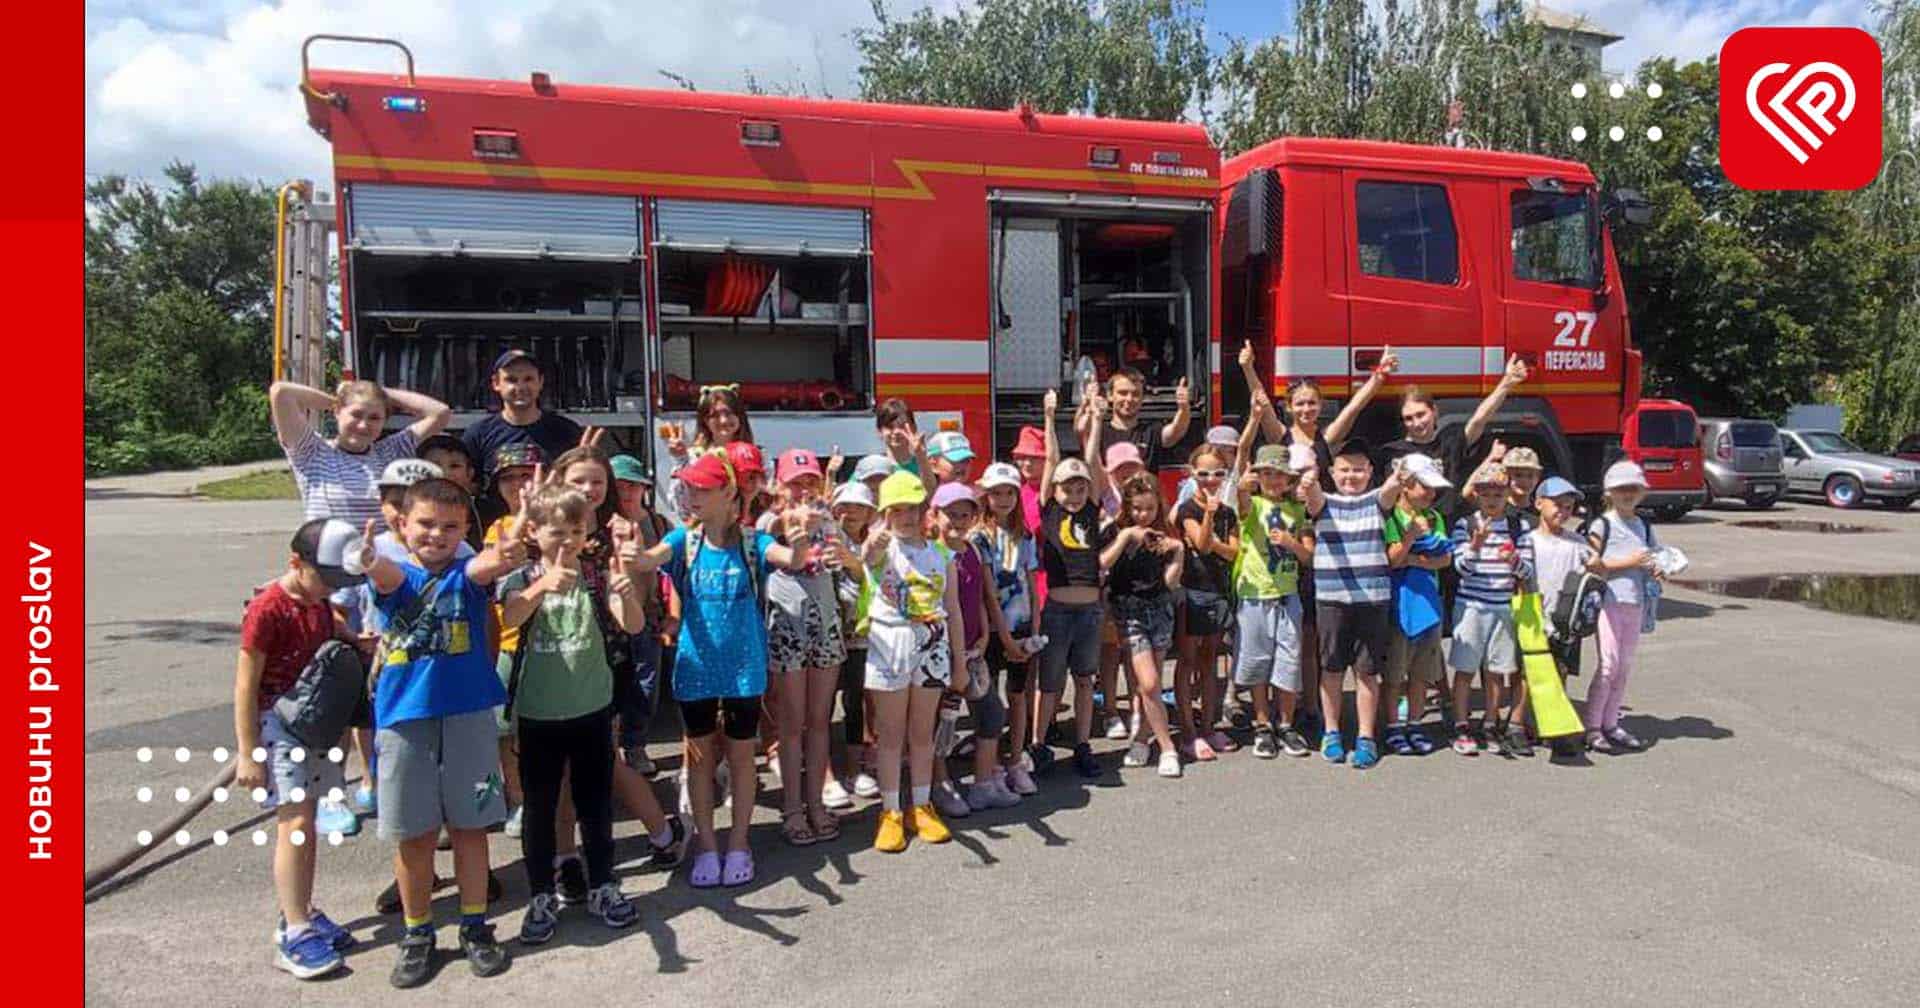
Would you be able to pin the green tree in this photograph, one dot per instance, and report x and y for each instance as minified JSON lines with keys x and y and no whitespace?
{"x":178,"y":321}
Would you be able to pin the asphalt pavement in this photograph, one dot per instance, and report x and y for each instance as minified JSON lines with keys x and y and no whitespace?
{"x":1760,"y":852}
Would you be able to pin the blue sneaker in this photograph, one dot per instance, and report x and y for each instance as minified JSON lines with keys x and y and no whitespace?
{"x":338,"y":937}
{"x":308,"y":955}
{"x":335,"y":817}
{"x":1331,"y":748}
{"x":1364,"y":754}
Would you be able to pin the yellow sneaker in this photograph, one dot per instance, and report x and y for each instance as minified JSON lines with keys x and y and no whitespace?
{"x":892,"y":836}
{"x":928,"y":827}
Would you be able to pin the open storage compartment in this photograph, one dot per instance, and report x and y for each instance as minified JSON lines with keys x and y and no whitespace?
{"x":772,"y":297}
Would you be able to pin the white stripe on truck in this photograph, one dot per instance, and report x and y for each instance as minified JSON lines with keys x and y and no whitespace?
{"x":928,"y":356}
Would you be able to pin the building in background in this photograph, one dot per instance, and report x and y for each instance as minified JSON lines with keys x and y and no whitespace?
{"x":1575,"y":31}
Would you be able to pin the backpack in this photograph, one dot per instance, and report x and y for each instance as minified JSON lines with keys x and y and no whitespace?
{"x":749,"y":557}
{"x":330,"y":694}
{"x":1576,"y":612}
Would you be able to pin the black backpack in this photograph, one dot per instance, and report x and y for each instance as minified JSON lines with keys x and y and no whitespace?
{"x":330,"y":694}
{"x":1576,"y":612}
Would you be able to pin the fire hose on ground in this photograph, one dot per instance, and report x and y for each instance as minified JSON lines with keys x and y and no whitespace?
{"x":104,"y":871}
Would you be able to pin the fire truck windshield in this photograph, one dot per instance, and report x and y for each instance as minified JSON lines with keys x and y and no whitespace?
{"x":1556,"y":238}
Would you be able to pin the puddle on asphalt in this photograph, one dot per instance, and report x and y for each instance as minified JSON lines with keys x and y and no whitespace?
{"x":1882,"y":596}
{"x":1803,"y":525}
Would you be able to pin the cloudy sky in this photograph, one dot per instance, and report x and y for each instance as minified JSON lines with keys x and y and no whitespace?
{"x":213,"y":81}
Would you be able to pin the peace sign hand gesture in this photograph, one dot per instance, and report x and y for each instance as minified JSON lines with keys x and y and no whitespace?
{"x":676,"y":437}
{"x":590,"y":437}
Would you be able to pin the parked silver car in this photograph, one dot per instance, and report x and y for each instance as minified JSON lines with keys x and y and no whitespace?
{"x":1824,"y":463}
{"x":1742,"y":460}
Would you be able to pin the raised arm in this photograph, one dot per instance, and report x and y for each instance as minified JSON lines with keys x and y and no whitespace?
{"x":1342,"y":425}
{"x":1516,"y":373}
{"x":1260,"y":412}
{"x":433,"y":414}
{"x":1049,"y":404}
{"x":1310,"y":492}
{"x":1270,"y":423}
{"x":1090,"y":448}
{"x":291,"y":404}
{"x":1396,"y":479}
{"x":625,"y":601}
{"x":1176,"y":428}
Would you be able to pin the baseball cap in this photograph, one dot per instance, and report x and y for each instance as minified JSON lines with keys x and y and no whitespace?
{"x":1554,"y":486}
{"x":707,"y":472}
{"x":1071,"y":469}
{"x":523,"y":453}
{"x":1272,"y":456}
{"x":1427,"y":471}
{"x":324,"y":544}
{"x":509,"y":356}
{"x":870,"y":466}
{"x":1000,"y":474}
{"x":902,"y":489}
{"x":1489,"y":474}
{"x":950,"y":445}
{"x":853,"y":493}
{"x":1122,"y":453}
{"x":1223,"y":436}
{"x":408,"y":471}
{"x":1521,"y":458}
{"x":797,"y":462}
{"x":1353,"y":446}
{"x":1624,"y":474}
{"x":626,"y":467}
{"x":950,"y":494}
{"x":745,"y":458}
{"x":1032,"y":444}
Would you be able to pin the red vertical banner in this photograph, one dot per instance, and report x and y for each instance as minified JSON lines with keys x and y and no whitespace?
{"x":42,"y":722}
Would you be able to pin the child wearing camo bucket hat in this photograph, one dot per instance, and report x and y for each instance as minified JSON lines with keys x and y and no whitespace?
{"x":1276,"y":540}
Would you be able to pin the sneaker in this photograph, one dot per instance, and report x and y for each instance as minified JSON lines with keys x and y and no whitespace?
{"x":573,"y":880}
{"x":388,"y":902}
{"x":947,"y":799}
{"x":1004,"y":793}
{"x":612,"y":906}
{"x":1083,"y":761}
{"x":1294,"y":743}
{"x":485,"y":956}
{"x":1624,"y":739}
{"x":1598,"y":743}
{"x":1398,"y":743}
{"x":1265,"y":745}
{"x":892,"y":835}
{"x":514,"y":820}
{"x":1364,"y":754}
{"x":1042,"y":758}
{"x":984,"y":796}
{"x":1137,"y":755}
{"x":416,"y":959}
{"x":1463,"y":742}
{"x":865,"y":785}
{"x":310,"y":954}
{"x":1237,"y":717}
{"x":927,"y":825}
{"x":1222,"y":742}
{"x":1331,"y":748}
{"x":335,"y":817}
{"x":834,"y":795}
{"x":1419,"y":740}
{"x":1493,"y":740}
{"x":362,"y":802}
{"x":1020,"y":781}
{"x":1170,"y":764}
{"x":336,"y":936}
{"x":1117,"y":728}
{"x":675,"y":851}
{"x":542,"y":917}
{"x":1517,"y":742}
{"x":1203,"y":751}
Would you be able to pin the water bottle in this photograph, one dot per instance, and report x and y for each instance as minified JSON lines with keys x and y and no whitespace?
{"x":946,"y":734}
{"x":1036,"y":644}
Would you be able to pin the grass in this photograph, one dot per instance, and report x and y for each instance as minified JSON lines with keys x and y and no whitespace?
{"x":271,"y":484}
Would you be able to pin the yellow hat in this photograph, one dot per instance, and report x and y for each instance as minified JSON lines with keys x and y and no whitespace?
{"x":902,"y":489}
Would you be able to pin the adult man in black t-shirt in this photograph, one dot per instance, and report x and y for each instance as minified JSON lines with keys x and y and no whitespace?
{"x":517,"y":381}
{"x":1126,"y":390}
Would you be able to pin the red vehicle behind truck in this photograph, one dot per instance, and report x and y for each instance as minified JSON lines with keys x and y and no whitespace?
{"x":829,"y":254}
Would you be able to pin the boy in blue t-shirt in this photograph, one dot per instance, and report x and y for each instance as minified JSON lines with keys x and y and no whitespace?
{"x":433,"y":704}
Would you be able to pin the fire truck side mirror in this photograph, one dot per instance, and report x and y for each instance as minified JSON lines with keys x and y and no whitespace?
{"x":1630,"y":207}
{"x":1253,"y":223}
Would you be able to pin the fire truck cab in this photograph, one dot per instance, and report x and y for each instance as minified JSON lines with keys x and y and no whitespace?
{"x":1334,"y":250}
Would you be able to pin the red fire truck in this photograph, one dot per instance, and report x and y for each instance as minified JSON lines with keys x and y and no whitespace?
{"x":829,"y":254}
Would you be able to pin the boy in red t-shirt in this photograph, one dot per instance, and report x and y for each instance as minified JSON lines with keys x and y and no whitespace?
{"x":285,"y":627}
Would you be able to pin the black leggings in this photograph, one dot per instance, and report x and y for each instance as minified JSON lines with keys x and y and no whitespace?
{"x":702,"y":717}
{"x":853,"y":693}
{"x":583,"y":747}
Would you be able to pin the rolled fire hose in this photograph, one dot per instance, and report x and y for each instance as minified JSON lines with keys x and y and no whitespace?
{"x":114,"y":865}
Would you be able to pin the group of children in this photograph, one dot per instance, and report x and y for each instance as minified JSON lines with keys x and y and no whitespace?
{"x":518,"y":635}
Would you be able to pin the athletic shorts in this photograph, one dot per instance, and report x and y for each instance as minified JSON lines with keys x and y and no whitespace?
{"x":1483,"y":636}
{"x":1146,"y":624}
{"x":910,"y":654}
{"x":312,"y":776}
{"x":1415,"y":659}
{"x":438,"y":772}
{"x":1353,"y":636}
{"x":1073,"y":642}
{"x":1269,"y":647}
{"x":701,"y":718}
{"x":983,"y":702}
{"x":803,"y":637}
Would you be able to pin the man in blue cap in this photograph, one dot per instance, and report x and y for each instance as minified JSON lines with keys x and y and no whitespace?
{"x":518,"y":382}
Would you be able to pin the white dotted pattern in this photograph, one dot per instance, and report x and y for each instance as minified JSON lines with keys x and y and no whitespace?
{"x":143,"y":838}
{"x":143,"y":754}
{"x":145,"y":794}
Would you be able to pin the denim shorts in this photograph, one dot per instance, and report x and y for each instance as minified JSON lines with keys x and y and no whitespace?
{"x":1073,"y":642}
{"x":1146,"y":624}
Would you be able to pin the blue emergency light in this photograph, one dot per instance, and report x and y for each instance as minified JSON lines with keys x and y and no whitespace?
{"x":404,"y":103}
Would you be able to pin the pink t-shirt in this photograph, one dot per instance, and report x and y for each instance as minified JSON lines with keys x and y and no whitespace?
{"x":1030,"y":508}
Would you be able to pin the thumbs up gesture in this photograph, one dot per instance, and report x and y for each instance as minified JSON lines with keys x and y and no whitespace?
{"x":1182,"y":395}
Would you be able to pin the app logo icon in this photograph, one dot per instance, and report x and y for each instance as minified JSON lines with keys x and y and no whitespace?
{"x":1800,"y":108}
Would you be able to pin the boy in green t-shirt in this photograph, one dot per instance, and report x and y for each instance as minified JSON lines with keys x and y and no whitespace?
{"x":1417,"y":549}
{"x":1275,"y":540}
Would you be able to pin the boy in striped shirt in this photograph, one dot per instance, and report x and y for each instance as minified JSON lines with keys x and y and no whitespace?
{"x":1353,"y":590}
{"x":1494,"y":556}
